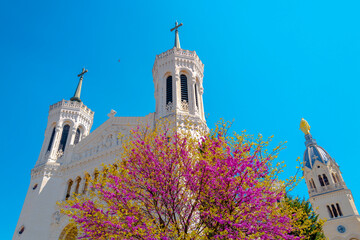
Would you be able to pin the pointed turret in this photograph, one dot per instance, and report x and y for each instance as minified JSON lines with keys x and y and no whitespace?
{"x":77,"y":93}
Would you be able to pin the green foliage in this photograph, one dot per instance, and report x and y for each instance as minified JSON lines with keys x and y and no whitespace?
{"x":305,"y":220}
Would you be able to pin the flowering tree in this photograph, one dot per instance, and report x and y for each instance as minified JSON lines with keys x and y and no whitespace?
{"x":305,"y":221}
{"x":171,"y":185}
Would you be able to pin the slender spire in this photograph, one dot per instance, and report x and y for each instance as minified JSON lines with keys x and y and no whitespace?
{"x":177,"y":39}
{"x":77,"y":93}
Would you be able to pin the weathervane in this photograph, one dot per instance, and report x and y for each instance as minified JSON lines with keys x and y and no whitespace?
{"x":177,"y":39}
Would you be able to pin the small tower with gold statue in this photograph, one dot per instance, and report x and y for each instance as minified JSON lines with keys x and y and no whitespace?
{"x":328,"y":194}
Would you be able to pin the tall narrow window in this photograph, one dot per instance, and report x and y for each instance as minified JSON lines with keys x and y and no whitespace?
{"x":321,"y":181}
{"x":330,"y":212}
{"x":333,"y":175}
{"x":326,"y":179}
{"x":68,"y":191}
{"x":86,"y":185}
{"x":51,"y":140}
{"x":77,"y":136}
{"x":184,"y":88}
{"x":334,"y":210}
{"x":339,"y":210}
{"x":78,"y":180}
{"x":64,"y":137}
{"x":169,"y":97}
{"x":196,"y":96}
{"x":337,"y":177}
{"x":312,"y":180}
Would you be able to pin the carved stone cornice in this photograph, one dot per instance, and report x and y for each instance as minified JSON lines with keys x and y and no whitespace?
{"x":47,"y":169}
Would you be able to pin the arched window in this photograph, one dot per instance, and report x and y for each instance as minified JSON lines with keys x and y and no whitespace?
{"x":169,"y":97}
{"x":330,"y":212}
{"x":321,"y":181}
{"x":68,"y":191}
{"x":96,"y":174}
{"x":64,"y":137}
{"x":310,"y":183}
{"x":337,"y":177}
{"x":326,"y":179}
{"x":196,"y":96}
{"x":313,"y":183}
{"x":334,"y":210}
{"x":77,"y":136}
{"x":333,"y":175}
{"x":339,"y":210}
{"x":86,"y":185}
{"x":184,"y":88}
{"x":51,"y":140}
{"x":78,"y":180}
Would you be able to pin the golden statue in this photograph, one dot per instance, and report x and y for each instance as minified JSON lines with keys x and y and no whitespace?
{"x":304,"y":126}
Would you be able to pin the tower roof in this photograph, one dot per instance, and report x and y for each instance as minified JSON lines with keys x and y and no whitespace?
{"x":313,"y":151}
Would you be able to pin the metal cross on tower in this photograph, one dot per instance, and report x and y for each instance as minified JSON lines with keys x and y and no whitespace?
{"x":82,"y":73}
{"x":177,"y":39}
{"x":76,"y":96}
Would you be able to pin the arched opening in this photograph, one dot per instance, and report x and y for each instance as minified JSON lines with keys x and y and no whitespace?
{"x":70,"y":232}
{"x":78,"y":180}
{"x":68,"y":191}
{"x":313,"y":183}
{"x":51,"y":140}
{"x":337,"y":177}
{"x":169,"y":95}
{"x":339,"y":210}
{"x":334,"y":210}
{"x":64,"y":137}
{"x":333,"y":175}
{"x":310,"y":183}
{"x":184,"y":88}
{"x":86,"y":185}
{"x":321,"y":181}
{"x":330,"y":212}
{"x":326,"y":180}
{"x":77,"y":136}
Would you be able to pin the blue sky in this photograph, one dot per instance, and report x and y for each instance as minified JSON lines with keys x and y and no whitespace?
{"x":267,"y":65}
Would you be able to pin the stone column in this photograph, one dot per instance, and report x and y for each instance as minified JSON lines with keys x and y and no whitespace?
{"x":72,"y":136}
{"x":201,"y":103}
{"x":192,"y":100}
{"x":176,"y":90}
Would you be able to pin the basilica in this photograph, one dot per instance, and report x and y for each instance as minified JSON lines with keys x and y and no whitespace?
{"x":72,"y":152}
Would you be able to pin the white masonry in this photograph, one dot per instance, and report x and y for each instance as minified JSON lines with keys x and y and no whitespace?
{"x":329,"y":196}
{"x":70,"y":152}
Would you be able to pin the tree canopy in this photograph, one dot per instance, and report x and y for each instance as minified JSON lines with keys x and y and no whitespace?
{"x":171,"y":184}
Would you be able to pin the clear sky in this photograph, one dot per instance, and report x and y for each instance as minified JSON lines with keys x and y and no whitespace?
{"x":267,"y":65}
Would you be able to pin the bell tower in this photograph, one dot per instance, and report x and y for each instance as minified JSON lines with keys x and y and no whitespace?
{"x":178,"y":79}
{"x":68,"y":123}
{"x":328,"y":193}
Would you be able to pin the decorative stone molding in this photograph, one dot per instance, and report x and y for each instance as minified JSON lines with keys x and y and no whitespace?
{"x":184,"y":105}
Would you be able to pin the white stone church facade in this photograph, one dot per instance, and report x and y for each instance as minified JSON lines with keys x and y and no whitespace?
{"x":71,"y":153}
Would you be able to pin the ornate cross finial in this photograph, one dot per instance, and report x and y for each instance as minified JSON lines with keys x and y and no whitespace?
{"x":82,"y":73}
{"x":76,"y":96}
{"x":177,"y":39}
